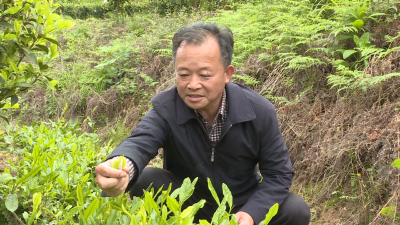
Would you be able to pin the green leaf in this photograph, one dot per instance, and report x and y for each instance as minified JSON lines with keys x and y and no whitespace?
{"x":5,"y":177}
{"x":79,"y":194}
{"x":93,"y":206}
{"x":28,"y":175}
{"x":53,"y":49}
{"x":24,"y":85}
{"x":12,"y":10}
{"x":348,"y":53}
{"x":9,"y":37}
{"x":117,"y":162}
{"x":214,"y":194}
{"x":227,"y":194}
{"x":150,"y":204}
{"x":4,"y":118}
{"x":42,"y":66}
{"x":271,"y":213}
{"x":53,"y":83}
{"x":396,"y":163}
{"x":73,"y":212}
{"x":41,"y":48}
{"x":53,"y":41}
{"x":14,"y":99}
{"x":358,"y":23}
{"x":186,"y":212}
{"x":204,"y":222}
{"x":365,"y":38}
{"x":7,"y":25}
{"x":173,"y":205}
{"x":12,"y":202}
{"x":61,"y":182}
{"x":2,"y":81}
{"x":37,"y":199}
{"x":112,"y":218}
{"x":17,"y":27}
{"x":31,"y":56}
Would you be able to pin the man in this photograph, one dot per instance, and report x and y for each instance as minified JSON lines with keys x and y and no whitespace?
{"x":210,"y":127}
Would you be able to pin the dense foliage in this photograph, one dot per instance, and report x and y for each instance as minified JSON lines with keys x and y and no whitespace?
{"x":108,"y":69}
{"x":51,"y":181}
{"x":26,"y":46}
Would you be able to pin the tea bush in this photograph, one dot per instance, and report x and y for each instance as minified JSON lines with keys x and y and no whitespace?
{"x":50,"y":180}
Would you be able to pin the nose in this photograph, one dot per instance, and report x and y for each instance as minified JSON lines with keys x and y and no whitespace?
{"x":194,"y":82}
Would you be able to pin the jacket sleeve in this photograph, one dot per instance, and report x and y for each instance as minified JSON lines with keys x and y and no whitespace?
{"x":142,"y":145}
{"x":275,"y":167}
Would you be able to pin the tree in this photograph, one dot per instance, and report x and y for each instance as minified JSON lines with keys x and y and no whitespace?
{"x":26,"y":46}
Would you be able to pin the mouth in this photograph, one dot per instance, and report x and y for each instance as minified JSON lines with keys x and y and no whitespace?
{"x":194,"y":98}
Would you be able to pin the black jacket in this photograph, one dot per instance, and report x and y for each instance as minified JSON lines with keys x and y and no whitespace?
{"x":250,"y":135}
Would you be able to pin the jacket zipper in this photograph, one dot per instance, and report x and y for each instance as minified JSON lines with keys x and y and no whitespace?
{"x":213,"y":149}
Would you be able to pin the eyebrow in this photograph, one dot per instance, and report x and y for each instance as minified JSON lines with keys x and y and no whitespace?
{"x":200,"y":69}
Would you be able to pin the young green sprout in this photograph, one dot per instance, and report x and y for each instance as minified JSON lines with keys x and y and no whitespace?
{"x":118,"y":162}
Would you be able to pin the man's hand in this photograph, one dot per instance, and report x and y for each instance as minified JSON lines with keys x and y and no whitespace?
{"x":112,"y":181}
{"x":244,"y":218}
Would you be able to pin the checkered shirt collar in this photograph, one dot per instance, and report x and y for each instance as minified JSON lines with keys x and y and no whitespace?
{"x":214,"y":130}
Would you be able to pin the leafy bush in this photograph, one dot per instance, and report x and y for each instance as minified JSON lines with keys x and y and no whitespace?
{"x":51,"y":181}
{"x":26,"y":46}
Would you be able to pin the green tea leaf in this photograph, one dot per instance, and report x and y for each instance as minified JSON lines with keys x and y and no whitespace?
{"x":186,"y":212}
{"x":53,"y":83}
{"x":73,"y":212}
{"x":53,"y":50}
{"x":213,"y":192}
{"x":112,"y":218}
{"x":53,"y":41}
{"x":12,"y":202}
{"x":7,"y":25}
{"x":396,"y":163}
{"x":204,"y":222}
{"x":24,"y":85}
{"x":12,"y":10}
{"x":31,"y":173}
{"x":37,"y":199}
{"x":117,"y":162}
{"x":173,"y":205}
{"x":271,"y":213}
{"x":5,"y":176}
{"x":14,"y":99}
{"x":9,"y":37}
{"x":79,"y":194}
{"x":227,"y":194}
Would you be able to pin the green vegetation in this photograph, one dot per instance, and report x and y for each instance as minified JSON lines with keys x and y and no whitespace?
{"x":26,"y":34}
{"x":330,"y":67}
{"x":51,"y":181}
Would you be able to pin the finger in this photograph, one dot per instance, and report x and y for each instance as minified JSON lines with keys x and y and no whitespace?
{"x":122,"y":184}
{"x":105,"y":170}
{"x":106,"y":182}
{"x":118,"y":189}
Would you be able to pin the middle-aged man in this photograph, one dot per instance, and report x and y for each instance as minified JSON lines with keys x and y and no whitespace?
{"x":211,"y":128}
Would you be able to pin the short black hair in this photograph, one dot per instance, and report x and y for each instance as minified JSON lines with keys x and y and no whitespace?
{"x":198,"y":33}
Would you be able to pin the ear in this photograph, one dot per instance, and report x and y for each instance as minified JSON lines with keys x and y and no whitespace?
{"x":229,"y":72}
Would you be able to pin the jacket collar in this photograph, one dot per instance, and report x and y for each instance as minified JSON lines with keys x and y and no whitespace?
{"x":239,"y":107}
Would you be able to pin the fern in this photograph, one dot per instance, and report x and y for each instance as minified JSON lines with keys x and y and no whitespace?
{"x":248,"y":80}
{"x":348,"y":79}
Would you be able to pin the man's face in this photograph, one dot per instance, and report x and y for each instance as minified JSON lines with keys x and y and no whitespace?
{"x":201,"y":76}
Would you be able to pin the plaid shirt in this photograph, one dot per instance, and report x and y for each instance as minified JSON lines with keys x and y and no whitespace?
{"x":213,"y":131}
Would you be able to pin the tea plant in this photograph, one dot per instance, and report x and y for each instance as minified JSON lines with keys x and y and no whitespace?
{"x":26,"y":46}
{"x":51,"y":181}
